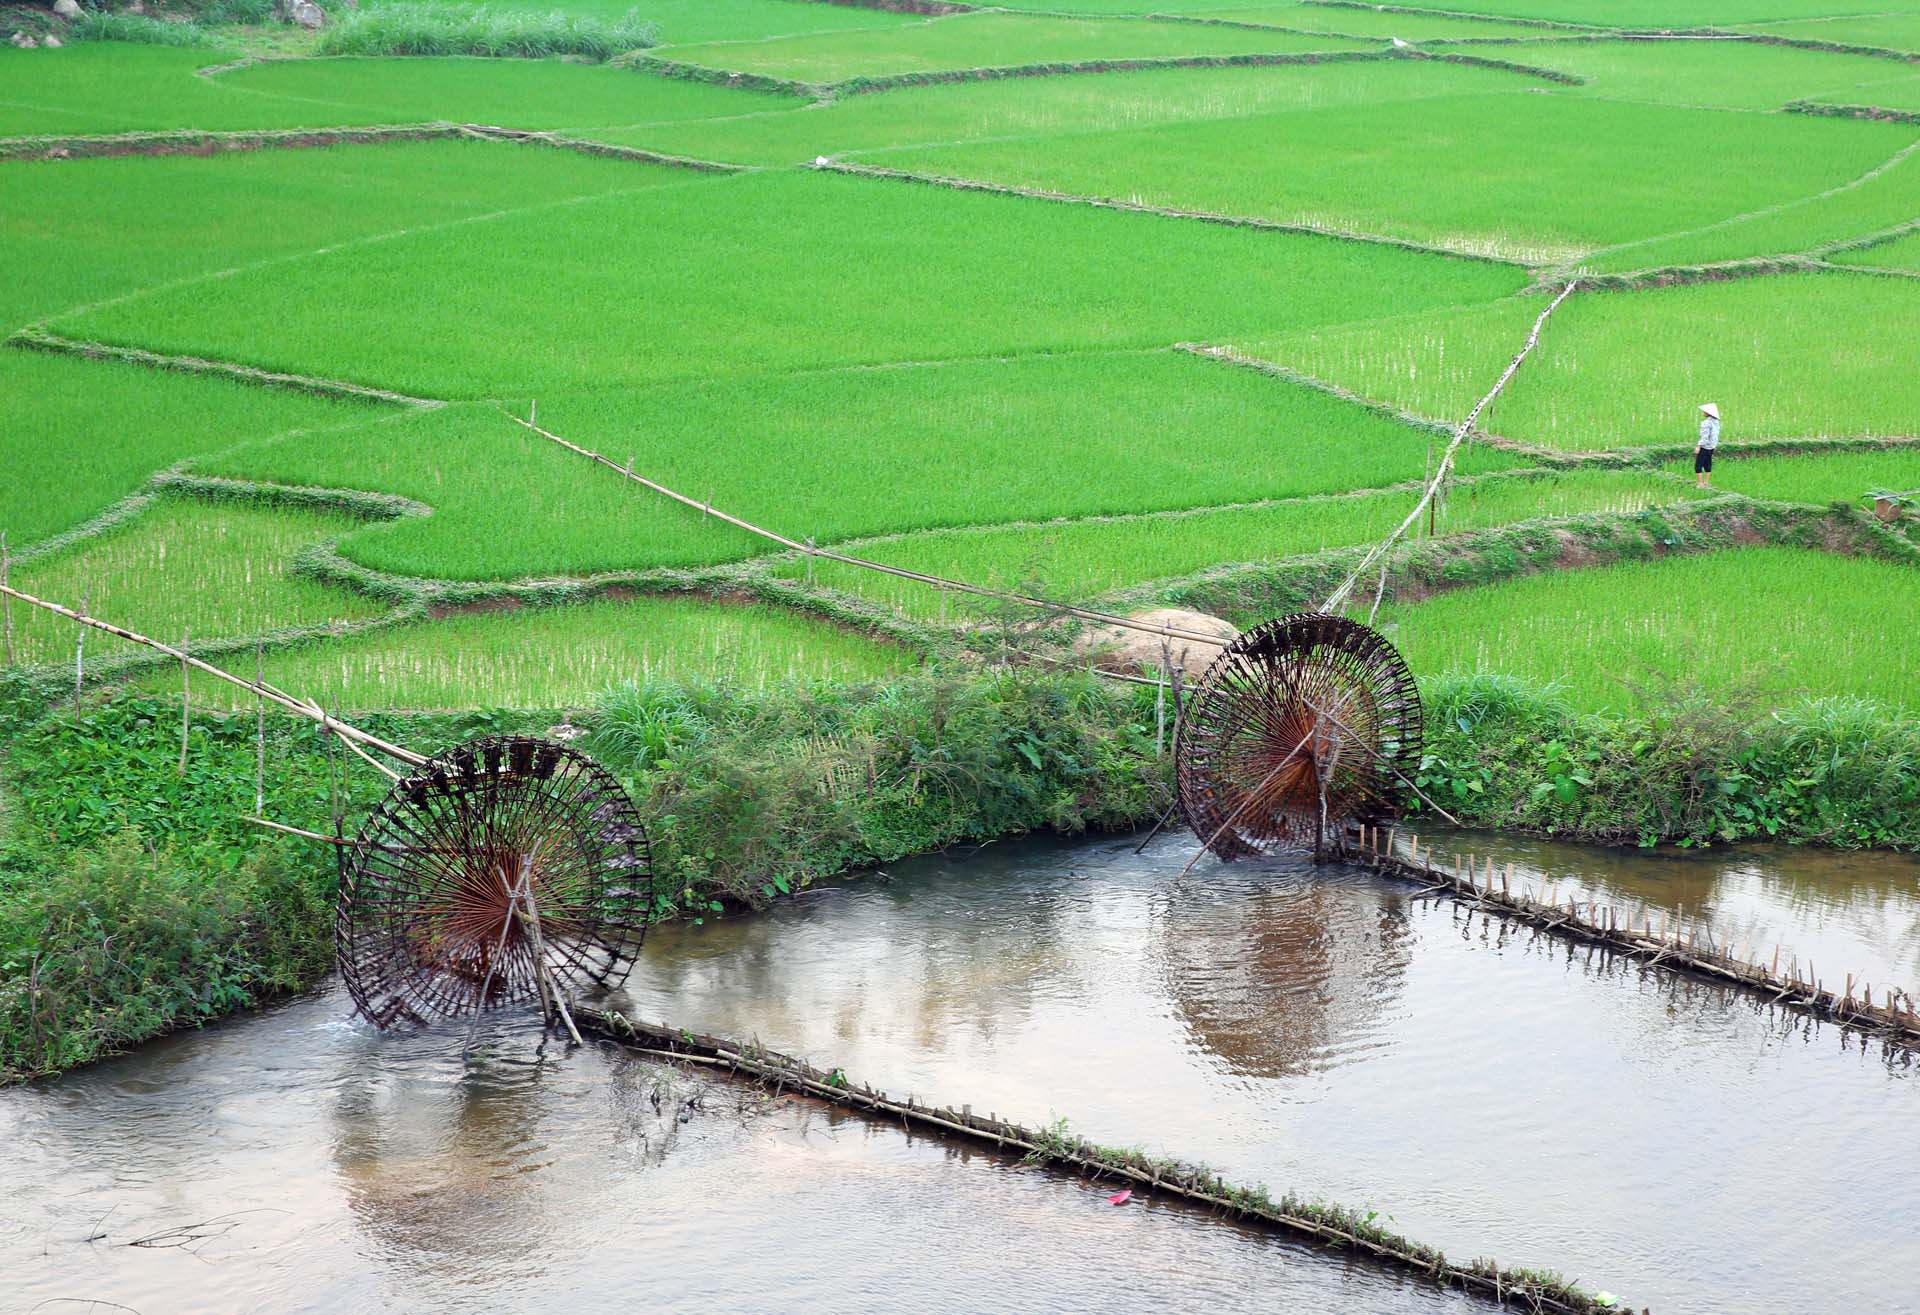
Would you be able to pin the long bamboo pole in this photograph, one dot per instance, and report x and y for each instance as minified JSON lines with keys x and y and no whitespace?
{"x":1439,"y":476}
{"x":938,"y":582}
{"x":351,"y":735}
{"x":6,"y":604}
{"x":810,"y":550}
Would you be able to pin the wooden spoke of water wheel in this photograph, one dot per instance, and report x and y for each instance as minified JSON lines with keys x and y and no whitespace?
{"x":505,"y":870}
{"x":1303,"y":725}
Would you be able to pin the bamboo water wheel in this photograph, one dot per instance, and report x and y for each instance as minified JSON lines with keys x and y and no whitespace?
{"x":1301,"y":727}
{"x":502,"y":871}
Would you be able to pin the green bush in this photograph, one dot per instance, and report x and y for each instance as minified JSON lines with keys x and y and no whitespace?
{"x":759,"y":794}
{"x":106,"y":946}
{"x":106,"y":25}
{"x":426,"y":29}
{"x":252,"y":13}
{"x":1689,"y":765}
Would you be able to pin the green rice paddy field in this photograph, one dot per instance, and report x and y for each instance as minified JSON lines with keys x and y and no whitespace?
{"x":1090,"y":330}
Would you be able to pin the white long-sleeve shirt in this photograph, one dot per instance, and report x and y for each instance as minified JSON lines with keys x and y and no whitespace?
{"x":1709,"y":433}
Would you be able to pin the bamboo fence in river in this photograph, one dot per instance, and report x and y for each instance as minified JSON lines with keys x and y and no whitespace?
{"x":1055,"y":1147}
{"x":1848,"y":1002}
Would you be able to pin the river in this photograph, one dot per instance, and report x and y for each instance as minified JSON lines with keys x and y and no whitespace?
{"x":1489,"y":1090}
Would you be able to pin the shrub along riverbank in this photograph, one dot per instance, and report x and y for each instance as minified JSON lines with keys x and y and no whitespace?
{"x":136,"y":898}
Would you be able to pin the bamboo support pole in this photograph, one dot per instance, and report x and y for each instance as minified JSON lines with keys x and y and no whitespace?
{"x":6,"y":603}
{"x":260,"y":729}
{"x":302,"y":832}
{"x":938,"y":582}
{"x":186,"y":700}
{"x":353,"y":736}
{"x":1338,"y":597}
{"x":79,"y":652}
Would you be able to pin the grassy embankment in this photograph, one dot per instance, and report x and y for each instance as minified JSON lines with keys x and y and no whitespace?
{"x":134,"y":899}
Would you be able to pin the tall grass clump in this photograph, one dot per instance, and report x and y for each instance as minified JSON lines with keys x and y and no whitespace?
{"x":428,"y":29}
{"x":134,"y":897}
{"x":109,"y":945}
{"x":139,"y":29}
{"x":249,"y":12}
{"x":763,"y":793}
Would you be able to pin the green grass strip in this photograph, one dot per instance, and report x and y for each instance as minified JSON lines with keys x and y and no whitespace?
{"x":38,"y":339}
{"x":190,"y":141}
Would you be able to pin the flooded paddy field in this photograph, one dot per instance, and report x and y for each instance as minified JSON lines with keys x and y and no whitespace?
{"x":1491,"y":1090}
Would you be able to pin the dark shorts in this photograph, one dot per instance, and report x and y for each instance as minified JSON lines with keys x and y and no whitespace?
{"x":1702,"y":460}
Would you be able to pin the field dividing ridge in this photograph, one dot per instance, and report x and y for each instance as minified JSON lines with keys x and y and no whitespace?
{"x":35,"y":339}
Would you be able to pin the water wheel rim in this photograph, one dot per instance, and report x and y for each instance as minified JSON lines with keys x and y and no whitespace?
{"x":432,"y":917}
{"x":1303,"y":725}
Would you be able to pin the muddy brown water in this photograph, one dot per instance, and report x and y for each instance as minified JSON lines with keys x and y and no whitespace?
{"x":1488,"y":1090}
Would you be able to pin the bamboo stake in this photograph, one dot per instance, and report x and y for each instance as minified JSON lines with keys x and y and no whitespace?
{"x":1160,"y":703}
{"x":352,"y":735}
{"x":80,"y":654}
{"x":302,"y":832}
{"x":186,"y":700}
{"x":260,"y":729}
{"x":547,"y":986}
{"x":6,"y":603}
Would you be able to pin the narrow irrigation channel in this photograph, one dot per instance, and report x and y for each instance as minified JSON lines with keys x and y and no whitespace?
{"x":1328,"y":1033}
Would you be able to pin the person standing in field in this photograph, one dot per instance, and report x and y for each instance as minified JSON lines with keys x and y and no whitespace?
{"x":1709,"y":441}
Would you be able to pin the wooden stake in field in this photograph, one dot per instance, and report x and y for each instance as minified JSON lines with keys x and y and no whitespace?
{"x":6,"y":603}
{"x":186,"y":698}
{"x":260,"y":729}
{"x":1160,"y":702}
{"x":80,"y":654}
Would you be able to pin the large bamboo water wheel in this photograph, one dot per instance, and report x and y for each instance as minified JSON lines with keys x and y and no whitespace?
{"x":502,"y":871}
{"x":1301,"y":727}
